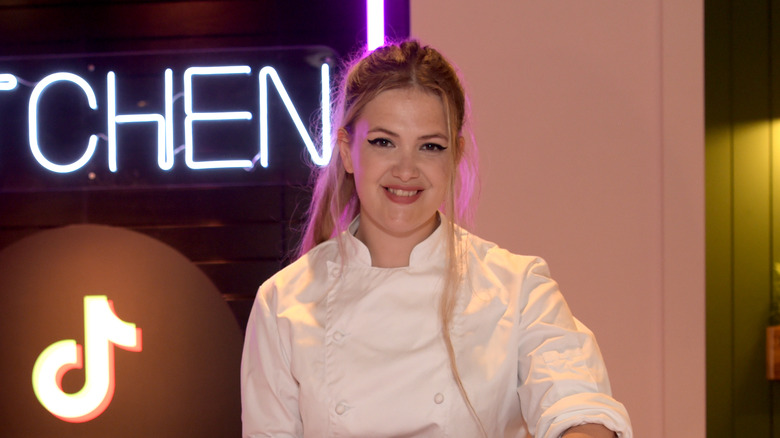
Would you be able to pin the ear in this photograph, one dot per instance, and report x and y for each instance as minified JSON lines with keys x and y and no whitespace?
{"x":344,"y":150}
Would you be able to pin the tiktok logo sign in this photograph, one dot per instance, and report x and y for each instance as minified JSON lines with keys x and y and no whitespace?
{"x":102,"y":331}
{"x":72,"y":360}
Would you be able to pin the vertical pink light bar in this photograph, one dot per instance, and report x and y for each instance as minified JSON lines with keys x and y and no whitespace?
{"x":375,"y":20}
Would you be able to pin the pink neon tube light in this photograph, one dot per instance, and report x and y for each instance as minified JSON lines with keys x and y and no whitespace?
{"x":375,"y":21}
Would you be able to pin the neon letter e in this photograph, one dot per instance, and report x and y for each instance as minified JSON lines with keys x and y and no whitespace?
{"x":102,"y":330}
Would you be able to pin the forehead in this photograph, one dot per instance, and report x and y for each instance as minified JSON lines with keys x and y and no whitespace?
{"x":406,"y":107}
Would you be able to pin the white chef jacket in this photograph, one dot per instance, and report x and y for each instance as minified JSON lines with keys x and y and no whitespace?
{"x":340,"y":348}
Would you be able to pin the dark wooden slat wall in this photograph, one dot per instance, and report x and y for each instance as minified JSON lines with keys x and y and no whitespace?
{"x":237,"y":234}
{"x":103,"y":26}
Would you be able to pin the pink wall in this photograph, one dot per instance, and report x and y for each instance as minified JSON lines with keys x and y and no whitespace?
{"x":590,"y":117}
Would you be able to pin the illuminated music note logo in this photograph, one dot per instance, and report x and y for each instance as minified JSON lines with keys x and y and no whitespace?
{"x":102,"y":330}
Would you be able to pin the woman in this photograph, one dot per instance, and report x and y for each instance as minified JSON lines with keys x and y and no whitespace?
{"x":395,"y":321}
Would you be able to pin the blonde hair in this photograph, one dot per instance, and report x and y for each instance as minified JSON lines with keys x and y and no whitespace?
{"x":335,"y":204}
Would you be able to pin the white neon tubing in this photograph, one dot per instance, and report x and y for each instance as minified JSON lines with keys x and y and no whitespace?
{"x":33,"y":122}
{"x":166,"y":161}
{"x":102,"y":330}
{"x":270,"y":72}
{"x":164,"y":124}
{"x":192,"y":116}
{"x":327,"y":148}
{"x":7,"y":82}
{"x":375,"y":23}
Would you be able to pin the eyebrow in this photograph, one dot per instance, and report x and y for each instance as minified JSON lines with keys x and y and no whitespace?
{"x":393,"y":134}
{"x":382,"y":130}
{"x":432,"y":136}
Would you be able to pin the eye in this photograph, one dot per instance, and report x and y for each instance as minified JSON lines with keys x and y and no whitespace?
{"x":381,"y":142}
{"x":433,"y":147}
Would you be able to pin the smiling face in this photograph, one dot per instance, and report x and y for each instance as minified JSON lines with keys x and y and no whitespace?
{"x":401,"y":157}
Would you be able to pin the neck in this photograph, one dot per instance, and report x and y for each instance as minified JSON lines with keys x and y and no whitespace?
{"x":390,"y":250}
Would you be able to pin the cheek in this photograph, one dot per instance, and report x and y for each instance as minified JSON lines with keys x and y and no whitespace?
{"x":364,"y":172}
{"x":358,"y":166}
{"x":441,"y":174}
{"x":368,"y":165}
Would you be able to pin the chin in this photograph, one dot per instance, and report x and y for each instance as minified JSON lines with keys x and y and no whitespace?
{"x":407,"y":226}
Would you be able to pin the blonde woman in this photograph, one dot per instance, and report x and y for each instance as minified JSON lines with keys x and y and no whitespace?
{"x":395,"y":321}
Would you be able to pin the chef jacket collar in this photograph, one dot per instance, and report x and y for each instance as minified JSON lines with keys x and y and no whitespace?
{"x":426,"y":252}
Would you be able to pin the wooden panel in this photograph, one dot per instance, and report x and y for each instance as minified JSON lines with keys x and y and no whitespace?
{"x":719,"y":229}
{"x":752,"y":276}
{"x":238,"y":282}
{"x":223,"y":242}
{"x":183,"y":205}
{"x":188,"y":205}
{"x":774,"y":46}
{"x":240,"y":278}
{"x":11,"y":235}
{"x":752,"y":226}
{"x":41,"y":209}
{"x":142,"y":207}
{"x":743,"y":214}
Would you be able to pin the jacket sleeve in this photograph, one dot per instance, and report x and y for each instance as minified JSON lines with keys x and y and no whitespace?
{"x":269,"y":391}
{"x":562,"y":380}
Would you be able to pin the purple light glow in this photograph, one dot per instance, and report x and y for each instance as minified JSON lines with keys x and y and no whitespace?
{"x":375,"y":20}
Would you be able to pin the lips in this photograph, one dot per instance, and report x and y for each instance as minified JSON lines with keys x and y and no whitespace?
{"x":402,"y":196}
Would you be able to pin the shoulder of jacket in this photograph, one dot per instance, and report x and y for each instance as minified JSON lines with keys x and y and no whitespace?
{"x":490,"y":256}
{"x":309,"y":270}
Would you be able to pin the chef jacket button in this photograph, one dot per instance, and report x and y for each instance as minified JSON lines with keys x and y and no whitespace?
{"x":338,"y":336}
{"x":341,"y":408}
{"x":438,"y":398}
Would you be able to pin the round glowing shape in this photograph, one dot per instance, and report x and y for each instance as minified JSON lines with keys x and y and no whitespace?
{"x":191,"y":341}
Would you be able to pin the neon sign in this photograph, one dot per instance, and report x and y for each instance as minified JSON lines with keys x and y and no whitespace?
{"x":255,"y":115}
{"x":164,"y":122}
{"x":102,"y":330}
{"x":33,"y":118}
{"x":7,"y":82}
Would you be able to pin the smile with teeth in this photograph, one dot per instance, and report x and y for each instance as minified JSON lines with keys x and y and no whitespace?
{"x":399,"y":192}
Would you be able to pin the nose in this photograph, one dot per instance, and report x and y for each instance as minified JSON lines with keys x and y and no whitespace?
{"x":405,"y":167}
